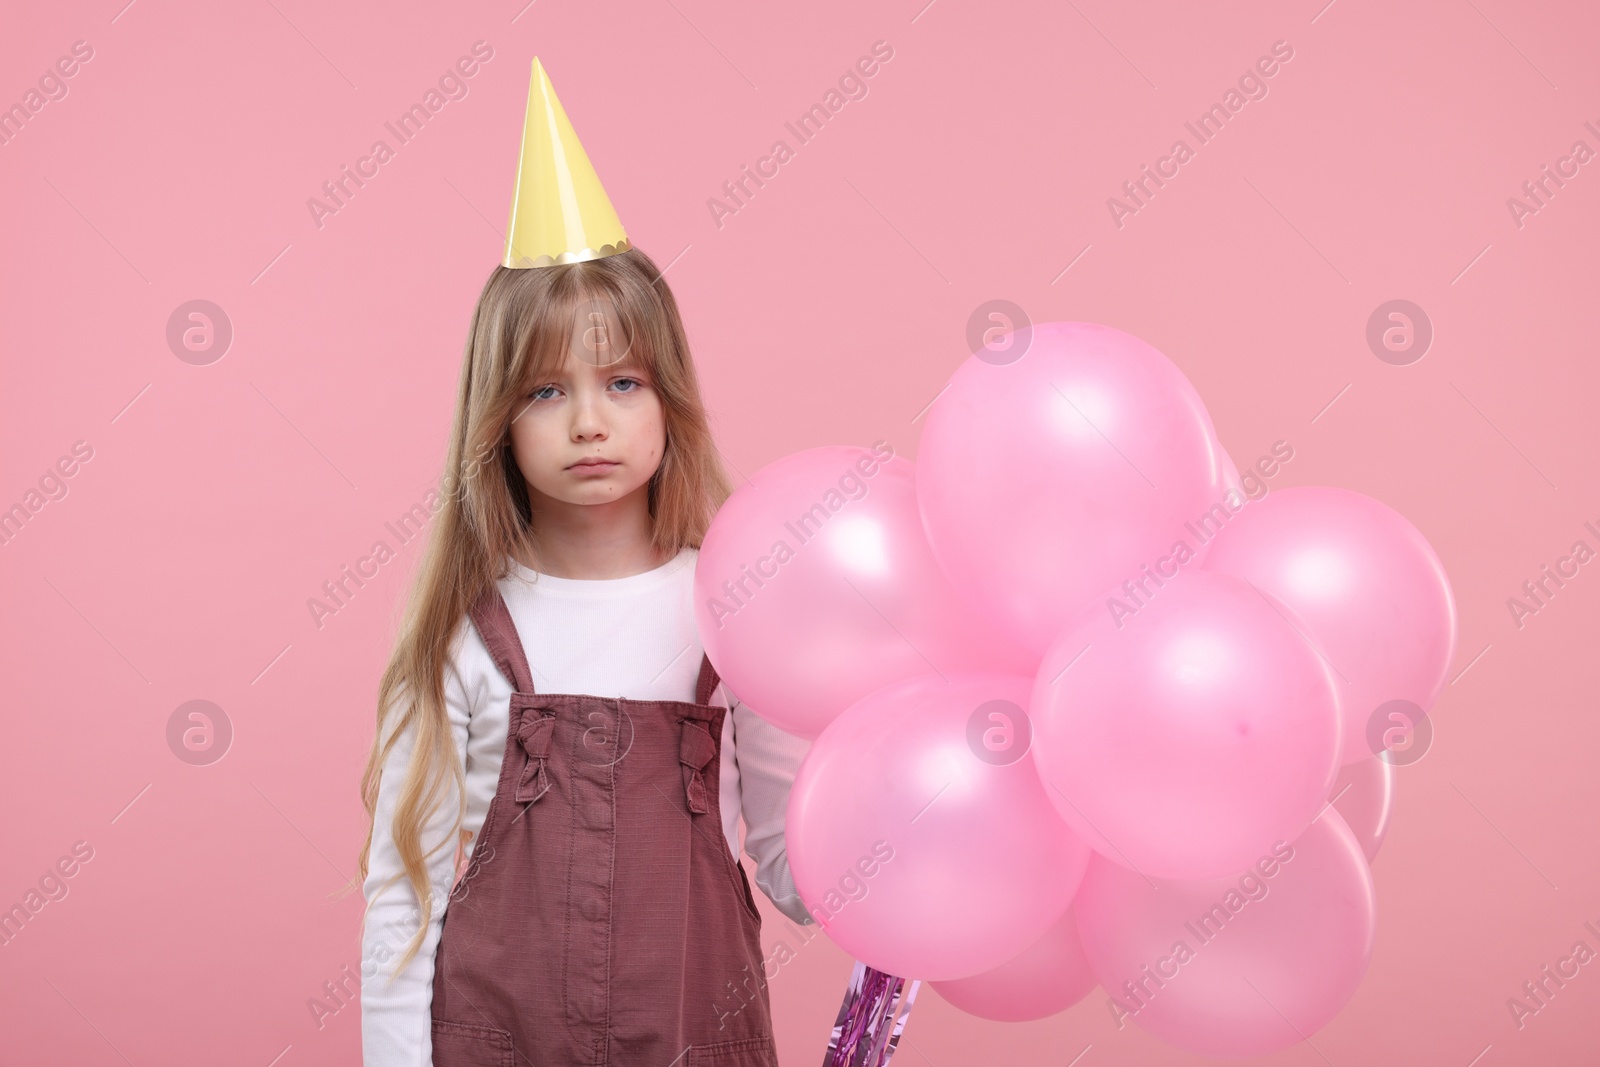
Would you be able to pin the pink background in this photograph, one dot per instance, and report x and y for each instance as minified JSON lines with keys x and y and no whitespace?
{"x":830,"y":310}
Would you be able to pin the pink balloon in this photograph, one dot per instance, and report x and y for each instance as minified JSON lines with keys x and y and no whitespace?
{"x":1364,"y":796}
{"x":919,"y":834}
{"x":1180,"y":740}
{"x":1230,"y":499}
{"x":1046,"y":479}
{"x":815,"y":585}
{"x":1230,"y":473}
{"x":1368,"y":585}
{"x":1049,"y":976}
{"x":1240,"y":965}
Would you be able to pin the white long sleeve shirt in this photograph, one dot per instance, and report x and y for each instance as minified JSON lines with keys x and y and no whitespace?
{"x":633,"y":637}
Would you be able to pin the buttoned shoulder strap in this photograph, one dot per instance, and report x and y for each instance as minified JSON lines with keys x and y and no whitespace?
{"x":708,"y":681}
{"x":492,"y":619}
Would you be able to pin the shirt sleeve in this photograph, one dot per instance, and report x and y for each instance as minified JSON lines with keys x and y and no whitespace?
{"x":396,"y":1007}
{"x":768,"y":759}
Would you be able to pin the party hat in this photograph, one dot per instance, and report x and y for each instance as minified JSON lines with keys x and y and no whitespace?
{"x":559,"y":212}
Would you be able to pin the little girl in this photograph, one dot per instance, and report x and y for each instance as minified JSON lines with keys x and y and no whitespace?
{"x":556,"y":782}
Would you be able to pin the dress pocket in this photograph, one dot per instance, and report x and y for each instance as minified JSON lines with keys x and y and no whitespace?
{"x":741,"y":882}
{"x":743,"y":1052}
{"x":471,"y":1045}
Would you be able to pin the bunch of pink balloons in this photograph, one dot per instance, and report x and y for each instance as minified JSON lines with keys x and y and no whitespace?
{"x":1083,"y":712}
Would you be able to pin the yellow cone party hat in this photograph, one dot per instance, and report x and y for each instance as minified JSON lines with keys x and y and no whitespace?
{"x":560,"y":212}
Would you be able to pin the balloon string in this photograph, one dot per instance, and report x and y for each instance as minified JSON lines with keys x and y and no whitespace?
{"x":870,"y":1020}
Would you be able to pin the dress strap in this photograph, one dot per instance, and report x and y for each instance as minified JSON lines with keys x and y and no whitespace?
{"x":492,"y":619}
{"x":708,"y":681}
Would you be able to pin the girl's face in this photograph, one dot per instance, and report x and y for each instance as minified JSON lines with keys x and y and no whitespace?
{"x":601,"y":406}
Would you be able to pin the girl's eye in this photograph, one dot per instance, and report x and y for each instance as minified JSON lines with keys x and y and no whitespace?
{"x":547,"y":392}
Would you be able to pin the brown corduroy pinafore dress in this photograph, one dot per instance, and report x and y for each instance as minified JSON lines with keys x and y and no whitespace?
{"x":601,"y":920}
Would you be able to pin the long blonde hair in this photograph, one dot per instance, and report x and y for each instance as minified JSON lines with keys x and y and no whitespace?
{"x":521,"y":330}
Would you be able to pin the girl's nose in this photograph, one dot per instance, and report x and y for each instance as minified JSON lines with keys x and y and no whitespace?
{"x":588,"y":419}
